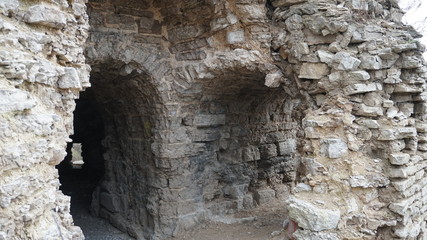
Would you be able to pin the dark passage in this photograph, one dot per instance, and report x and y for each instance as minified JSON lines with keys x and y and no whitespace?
{"x":79,"y":181}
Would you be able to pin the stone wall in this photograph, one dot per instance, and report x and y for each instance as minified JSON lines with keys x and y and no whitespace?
{"x":210,"y":107}
{"x":42,"y":70}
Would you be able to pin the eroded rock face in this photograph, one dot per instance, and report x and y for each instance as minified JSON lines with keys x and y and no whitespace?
{"x":210,"y":107}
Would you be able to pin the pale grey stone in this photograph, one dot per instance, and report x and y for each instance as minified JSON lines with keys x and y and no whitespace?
{"x":43,"y":15}
{"x":369,"y":181}
{"x":288,"y":147}
{"x":302,"y":187}
{"x":236,"y":37}
{"x":359,"y":75}
{"x":206,"y":120}
{"x":274,"y":79}
{"x":346,"y":62}
{"x":15,"y":100}
{"x":334,"y":147}
{"x":7,"y":6}
{"x":70,"y":79}
{"x":370,"y":62}
{"x":301,"y":234}
{"x":264,"y":196}
{"x":399,"y":158}
{"x":311,"y":217}
{"x":313,"y":70}
{"x":362,"y":88}
{"x":285,"y":3}
{"x":325,"y":56}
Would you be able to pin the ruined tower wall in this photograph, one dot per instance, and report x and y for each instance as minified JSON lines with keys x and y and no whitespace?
{"x":211,"y":107}
{"x":42,"y":70}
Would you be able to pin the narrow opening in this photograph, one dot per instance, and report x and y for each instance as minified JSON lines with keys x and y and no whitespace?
{"x":83,"y":168}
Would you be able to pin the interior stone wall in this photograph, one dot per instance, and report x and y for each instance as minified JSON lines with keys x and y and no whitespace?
{"x":210,"y":107}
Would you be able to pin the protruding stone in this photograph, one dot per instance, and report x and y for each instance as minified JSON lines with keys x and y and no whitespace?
{"x":399,"y":158}
{"x":286,"y":3}
{"x":362,"y":88}
{"x":313,"y":70}
{"x":288,"y":147}
{"x":46,"y":16}
{"x":236,"y":37}
{"x":15,"y":100}
{"x":346,"y":62}
{"x":334,"y":147}
{"x":311,"y":217}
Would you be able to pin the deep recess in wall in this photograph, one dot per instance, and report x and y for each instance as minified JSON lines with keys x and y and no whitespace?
{"x":79,"y":181}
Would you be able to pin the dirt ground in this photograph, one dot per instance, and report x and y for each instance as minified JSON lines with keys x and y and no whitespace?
{"x":255,"y":224}
{"x":265,"y":222}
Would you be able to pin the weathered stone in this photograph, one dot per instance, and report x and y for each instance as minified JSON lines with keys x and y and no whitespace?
{"x":236,"y":37}
{"x":313,"y":70}
{"x":334,"y":147}
{"x":285,"y":3}
{"x":42,"y":15}
{"x":264,"y":196}
{"x":207,"y":120}
{"x":312,"y":235}
{"x":325,"y":56}
{"x":368,"y":181}
{"x":70,"y":79}
{"x":287,"y":147}
{"x":15,"y":100}
{"x":370,"y":62}
{"x":399,"y":158}
{"x":311,"y":217}
{"x":346,"y":61}
{"x":362,"y":88}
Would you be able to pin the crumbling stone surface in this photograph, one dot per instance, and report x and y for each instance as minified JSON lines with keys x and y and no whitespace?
{"x":210,"y":107}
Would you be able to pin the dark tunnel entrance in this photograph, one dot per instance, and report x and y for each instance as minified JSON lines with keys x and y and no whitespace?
{"x":83,"y":169}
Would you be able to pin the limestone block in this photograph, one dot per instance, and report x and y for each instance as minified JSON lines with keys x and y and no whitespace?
{"x":70,"y":79}
{"x":325,"y":56}
{"x":264,"y":196}
{"x":299,"y":49}
{"x":358,"y":75}
{"x":46,"y":16}
{"x":312,"y":166}
{"x":15,"y":100}
{"x":310,"y":235}
{"x":251,"y":153}
{"x":405,"y":88}
{"x":302,"y":187}
{"x":399,"y":158}
{"x":334,"y":147}
{"x":313,"y":70}
{"x":363,"y":110}
{"x":288,"y":147}
{"x":311,"y":133}
{"x":404,"y":47}
{"x":236,"y":37}
{"x":369,"y":123}
{"x":362,"y":88}
{"x":286,"y":3}
{"x":421,"y":127}
{"x":206,"y":120}
{"x":7,"y":6}
{"x":345,"y":61}
{"x":185,"y":32}
{"x":369,"y":181}
{"x":311,"y":217}
{"x":360,"y":5}
{"x":205,"y":135}
{"x":274,"y":79}
{"x":268,"y":151}
{"x":370,"y":62}
{"x":410,"y":62}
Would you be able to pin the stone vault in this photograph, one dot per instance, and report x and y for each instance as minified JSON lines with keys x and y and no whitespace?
{"x":210,"y":107}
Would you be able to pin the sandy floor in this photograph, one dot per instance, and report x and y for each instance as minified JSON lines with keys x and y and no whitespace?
{"x":257,"y":224}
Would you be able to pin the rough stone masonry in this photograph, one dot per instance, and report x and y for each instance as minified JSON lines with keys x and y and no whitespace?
{"x":214,"y":106}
